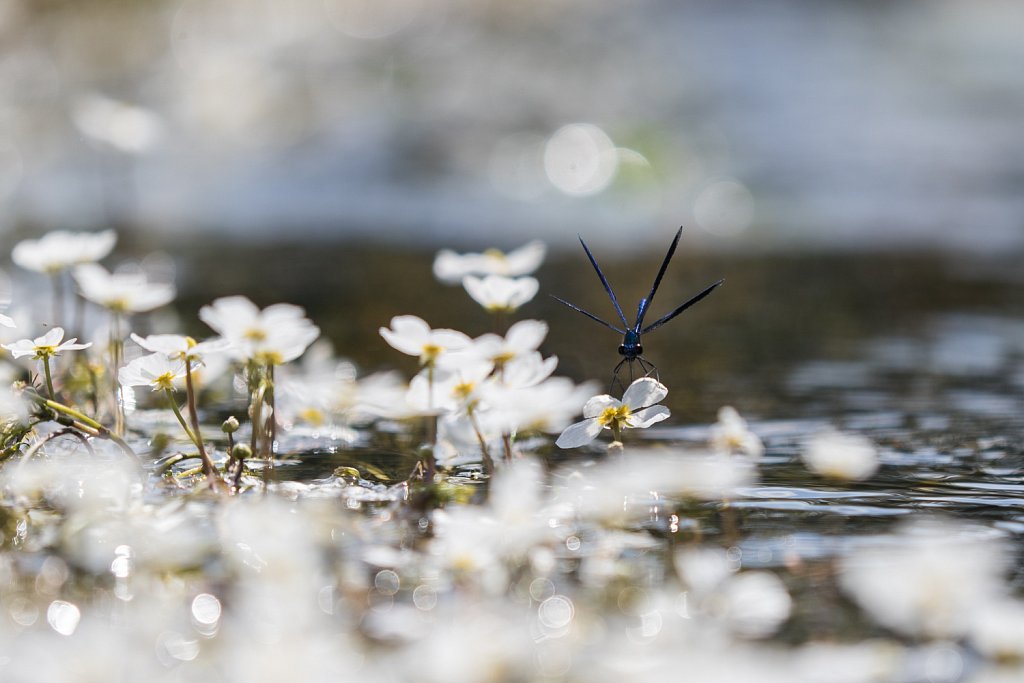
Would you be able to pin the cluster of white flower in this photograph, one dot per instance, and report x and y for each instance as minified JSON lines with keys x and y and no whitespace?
{"x":633,"y":563}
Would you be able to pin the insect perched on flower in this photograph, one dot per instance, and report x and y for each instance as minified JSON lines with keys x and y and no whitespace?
{"x":637,"y":409}
{"x":631,"y":349}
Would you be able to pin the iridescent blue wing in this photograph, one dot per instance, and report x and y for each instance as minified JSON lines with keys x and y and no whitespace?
{"x":646,"y":303}
{"x":607,"y":287}
{"x":589,"y":315}
{"x":661,"y":321}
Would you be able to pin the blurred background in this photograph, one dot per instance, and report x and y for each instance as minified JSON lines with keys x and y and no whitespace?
{"x":848,"y":166}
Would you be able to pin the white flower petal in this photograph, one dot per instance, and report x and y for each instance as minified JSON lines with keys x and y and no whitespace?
{"x":644,"y":392}
{"x":525,"y":259}
{"x":598,"y":404}
{"x":51,"y":338}
{"x":526,"y":335}
{"x":450,"y":340}
{"x":579,"y":434}
{"x":647,"y":416}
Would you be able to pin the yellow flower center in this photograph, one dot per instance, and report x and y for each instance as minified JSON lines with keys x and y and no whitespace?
{"x":464,"y":390}
{"x":255,"y":334}
{"x":190,"y":342}
{"x":164,"y":381}
{"x":495,"y":254}
{"x":430,"y":353}
{"x":313,"y":416}
{"x":45,"y":351}
{"x":501,"y":359}
{"x":269,"y":358}
{"x":612,"y":416}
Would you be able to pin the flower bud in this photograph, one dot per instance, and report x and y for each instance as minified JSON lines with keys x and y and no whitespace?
{"x":241,"y":452}
{"x":230,"y":425}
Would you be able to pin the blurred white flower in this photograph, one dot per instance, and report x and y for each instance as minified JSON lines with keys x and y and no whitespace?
{"x":703,"y":569}
{"x":6,"y":321}
{"x":928,"y":579}
{"x":849,"y":457}
{"x":180,"y":347}
{"x":450,"y":267}
{"x":599,"y":492}
{"x":464,"y":547}
{"x":497,"y":293}
{"x":997,"y":630}
{"x":413,"y":336}
{"x":156,"y":371}
{"x":122,"y":292}
{"x":522,"y":338}
{"x":46,"y":346}
{"x":755,"y":603}
{"x":58,"y":250}
{"x":275,"y":335}
{"x":455,"y":389}
{"x":636,"y":410}
{"x":869,"y":660}
{"x":730,"y":435}
{"x":547,"y":406}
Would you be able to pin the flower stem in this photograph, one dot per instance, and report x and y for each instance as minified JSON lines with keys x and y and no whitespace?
{"x":173,"y":403}
{"x":271,"y":436}
{"x":616,"y":431}
{"x":82,"y":421}
{"x":488,"y":462}
{"x":430,"y":467}
{"x":506,"y":440}
{"x":116,"y":351}
{"x":208,"y":467}
{"x":49,"y":378}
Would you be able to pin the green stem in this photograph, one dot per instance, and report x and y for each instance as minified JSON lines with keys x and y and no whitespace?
{"x":49,"y":378}
{"x":86,"y":421}
{"x":169,"y":393}
{"x":616,"y":431}
{"x":116,"y":351}
{"x":271,"y":437}
{"x":208,"y":467}
{"x":488,"y":461}
{"x":256,"y":408}
{"x":431,"y":465}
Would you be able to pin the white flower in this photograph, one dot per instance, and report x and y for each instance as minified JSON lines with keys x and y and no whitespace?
{"x":413,"y":336}
{"x":156,"y":371}
{"x":998,"y":630}
{"x":450,"y":267}
{"x":848,"y":457}
{"x":177,"y":346}
{"x":637,"y":409}
{"x":598,"y":492}
{"x":930,"y":579}
{"x":276,"y":335}
{"x":522,"y":338}
{"x":122,"y":292}
{"x":755,"y":603}
{"x":499,"y":293}
{"x":47,"y":346}
{"x":56,"y":251}
{"x":731,"y":435}
{"x":455,"y":388}
{"x":547,"y":406}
